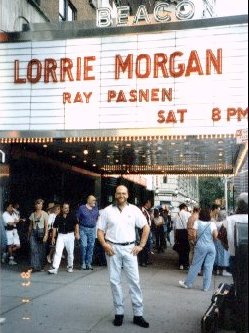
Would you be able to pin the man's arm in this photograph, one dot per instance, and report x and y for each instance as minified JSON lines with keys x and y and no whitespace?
{"x":143,"y":241}
{"x":106,"y":246}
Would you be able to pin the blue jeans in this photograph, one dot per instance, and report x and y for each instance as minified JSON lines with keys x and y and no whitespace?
{"x":87,"y":240}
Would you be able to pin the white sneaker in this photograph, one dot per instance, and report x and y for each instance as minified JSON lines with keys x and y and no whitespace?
{"x":2,"y":320}
{"x":70,"y":269}
{"x":181,"y":268}
{"x":225,"y":273}
{"x":53,"y":271}
{"x":83,"y":267}
{"x":12,"y":262}
{"x":183,"y":285}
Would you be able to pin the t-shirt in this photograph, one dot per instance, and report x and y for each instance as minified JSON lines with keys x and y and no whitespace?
{"x":7,"y":217}
{"x":119,"y":226}
{"x":229,"y":224}
{"x":181,"y":219}
{"x":87,"y":217}
{"x":65,"y":224}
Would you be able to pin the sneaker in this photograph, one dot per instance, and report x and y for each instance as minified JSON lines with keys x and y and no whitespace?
{"x":118,"y":320}
{"x":53,"y":271}
{"x":83,"y":267}
{"x":2,"y":320}
{"x":89,"y":267}
{"x":12,"y":262}
{"x":140,"y":321}
{"x":181,"y":268}
{"x":70,"y":269}
{"x":183,"y":285}
{"x":226,"y":273}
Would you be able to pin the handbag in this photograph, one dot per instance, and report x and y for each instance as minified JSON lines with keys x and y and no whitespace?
{"x":222,"y":236}
{"x":176,"y":247}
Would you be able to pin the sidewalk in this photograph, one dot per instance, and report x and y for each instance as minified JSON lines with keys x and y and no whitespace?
{"x":81,"y":301}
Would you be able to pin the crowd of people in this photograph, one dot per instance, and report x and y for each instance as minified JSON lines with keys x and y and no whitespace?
{"x":123,"y":236}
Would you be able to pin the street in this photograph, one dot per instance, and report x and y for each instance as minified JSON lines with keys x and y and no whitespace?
{"x":81,"y":301}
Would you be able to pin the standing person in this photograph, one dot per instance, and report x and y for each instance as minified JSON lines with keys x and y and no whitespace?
{"x":10,"y":220}
{"x":3,"y":241}
{"x":144,"y":255}
{"x":221,"y":264}
{"x":159,"y":231}
{"x":166,"y":225}
{"x":116,"y":233}
{"x":53,"y":212}
{"x":87,"y":217}
{"x":191,"y":232}
{"x":215,"y":209}
{"x":240,"y":216}
{"x":68,"y":230}
{"x":38,"y":235}
{"x":181,"y":235}
{"x":204,"y":252}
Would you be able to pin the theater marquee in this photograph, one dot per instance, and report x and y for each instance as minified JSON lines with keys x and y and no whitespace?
{"x":187,"y":82}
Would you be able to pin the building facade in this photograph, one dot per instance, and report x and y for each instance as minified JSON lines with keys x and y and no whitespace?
{"x":122,"y":98}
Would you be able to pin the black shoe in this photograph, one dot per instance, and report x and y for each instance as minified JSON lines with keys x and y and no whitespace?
{"x":118,"y":320}
{"x":137,"y":320}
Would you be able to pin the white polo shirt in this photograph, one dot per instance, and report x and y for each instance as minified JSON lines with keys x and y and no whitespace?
{"x":119,"y":226}
{"x":229,"y":224}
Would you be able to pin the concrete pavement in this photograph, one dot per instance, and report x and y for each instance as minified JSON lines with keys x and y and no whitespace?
{"x":81,"y":301}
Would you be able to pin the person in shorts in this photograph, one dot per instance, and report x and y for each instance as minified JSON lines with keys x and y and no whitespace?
{"x":10,"y":220}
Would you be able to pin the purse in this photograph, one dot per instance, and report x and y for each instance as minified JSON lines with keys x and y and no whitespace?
{"x":222,"y":236}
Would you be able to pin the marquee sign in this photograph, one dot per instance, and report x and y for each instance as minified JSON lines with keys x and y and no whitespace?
{"x":187,"y":82}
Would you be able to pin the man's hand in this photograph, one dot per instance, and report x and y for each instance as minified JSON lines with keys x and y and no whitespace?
{"x":108,"y":249}
{"x":136,"y":249}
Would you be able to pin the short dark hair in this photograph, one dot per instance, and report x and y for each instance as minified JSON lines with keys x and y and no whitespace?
{"x":214,"y":206}
{"x":183,"y":206}
{"x":7,"y":204}
{"x":204,"y":214}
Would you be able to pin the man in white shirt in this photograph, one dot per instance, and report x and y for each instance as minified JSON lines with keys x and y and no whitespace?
{"x":116,"y":233}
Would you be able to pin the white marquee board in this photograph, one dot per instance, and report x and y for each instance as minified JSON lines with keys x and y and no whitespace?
{"x":40,"y":106}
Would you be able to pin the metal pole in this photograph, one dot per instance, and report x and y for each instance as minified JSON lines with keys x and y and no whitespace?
{"x":226,"y":196}
{"x":2,"y":156}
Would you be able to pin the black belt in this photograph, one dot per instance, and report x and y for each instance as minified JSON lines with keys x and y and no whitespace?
{"x":122,"y":244}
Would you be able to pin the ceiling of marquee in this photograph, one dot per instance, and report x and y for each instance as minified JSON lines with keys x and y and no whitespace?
{"x":186,"y":156}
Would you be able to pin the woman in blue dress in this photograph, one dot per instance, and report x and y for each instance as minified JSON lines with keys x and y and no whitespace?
{"x":222,"y":259}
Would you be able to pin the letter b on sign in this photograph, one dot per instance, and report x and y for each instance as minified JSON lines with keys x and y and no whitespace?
{"x":104,"y":18}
